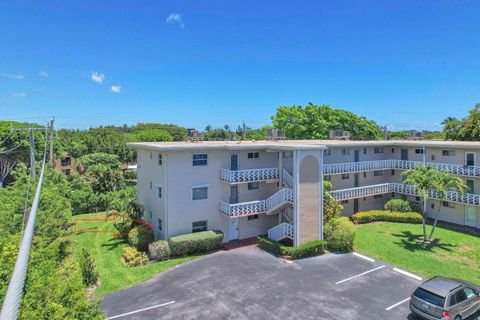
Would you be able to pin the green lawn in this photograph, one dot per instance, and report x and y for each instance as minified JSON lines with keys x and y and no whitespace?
{"x":453,"y":254}
{"x":107,"y":252}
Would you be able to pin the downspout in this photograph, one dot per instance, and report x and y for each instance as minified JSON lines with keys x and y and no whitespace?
{"x":321,"y":196}
{"x":297,"y":198}
{"x":167,"y":228}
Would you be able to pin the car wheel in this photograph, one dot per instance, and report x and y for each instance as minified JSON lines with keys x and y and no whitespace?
{"x":458,"y":318}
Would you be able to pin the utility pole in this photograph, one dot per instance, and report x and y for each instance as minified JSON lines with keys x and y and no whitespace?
{"x":51,"y":159}
{"x":32,"y":153}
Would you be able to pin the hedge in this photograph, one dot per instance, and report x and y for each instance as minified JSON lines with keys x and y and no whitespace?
{"x":383,"y":215}
{"x":159,"y":250}
{"x":197,"y":242}
{"x":339,"y":234}
{"x":398,"y":205}
{"x":133,"y":258}
{"x":309,"y":249}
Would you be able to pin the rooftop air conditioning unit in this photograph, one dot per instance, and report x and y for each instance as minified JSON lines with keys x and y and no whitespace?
{"x":193,"y":135}
{"x":275,"y":134}
{"x":339,"y":134}
{"x":415,"y":135}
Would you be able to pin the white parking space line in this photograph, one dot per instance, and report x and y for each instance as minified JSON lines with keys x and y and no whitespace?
{"x":141,"y":310}
{"x":408,"y":274}
{"x":363,"y":257}
{"x":359,"y":275}
{"x":397,"y":304}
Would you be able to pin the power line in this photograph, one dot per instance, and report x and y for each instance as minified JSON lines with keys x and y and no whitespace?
{"x":14,"y":293}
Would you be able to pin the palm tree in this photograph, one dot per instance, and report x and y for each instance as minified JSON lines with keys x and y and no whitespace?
{"x":448,"y":120}
{"x":445,"y":182}
{"x":422,"y":179}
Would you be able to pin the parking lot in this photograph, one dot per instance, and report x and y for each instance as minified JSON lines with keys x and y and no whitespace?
{"x":252,"y":284}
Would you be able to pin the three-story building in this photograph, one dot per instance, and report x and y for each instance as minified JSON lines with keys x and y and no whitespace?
{"x":276,"y":187}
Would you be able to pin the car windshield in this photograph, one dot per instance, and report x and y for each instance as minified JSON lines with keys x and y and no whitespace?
{"x":429,"y":297}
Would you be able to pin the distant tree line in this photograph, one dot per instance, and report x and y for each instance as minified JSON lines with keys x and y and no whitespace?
{"x":465,"y":129}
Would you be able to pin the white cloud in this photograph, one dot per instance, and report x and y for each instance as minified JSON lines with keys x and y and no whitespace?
{"x":43,"y":74}
{"x":19,"y":94}
{"x":97,"y":77}
{"x":12,"y":76}
{"x":116,"y":89}
{"x":175,"y":18}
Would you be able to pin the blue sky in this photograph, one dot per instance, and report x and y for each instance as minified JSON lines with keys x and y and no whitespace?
{"x":407,"y":64}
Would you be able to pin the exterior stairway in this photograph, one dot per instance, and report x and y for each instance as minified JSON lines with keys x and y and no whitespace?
{"x":282,"y":231}
{"x":278,"y":201}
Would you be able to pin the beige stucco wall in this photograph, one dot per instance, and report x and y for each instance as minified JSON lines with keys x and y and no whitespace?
{"x":309,"y":197}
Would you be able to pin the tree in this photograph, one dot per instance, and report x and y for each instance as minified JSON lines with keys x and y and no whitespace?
{"x":110,"y":160}
{"x":104,"y":179}
{"x":445,"y":182}
{"x":331,"y":207}
{"x":423,"y":180}
{"x":470,"y":126}
{"x":6,"y":166}
{"x":152,"y":135}
{"x":315,"y":122}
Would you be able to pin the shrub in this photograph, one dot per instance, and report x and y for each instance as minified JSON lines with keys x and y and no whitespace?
{"x":89,"y":270}
{"x":382,"y":215}
{"x":140,"y":238}
{"x":312,"y":248}
{"x":123,"y":226}
{"x":398,"y":205}
{"x":339,"y":234}
{"x":198,"y":242}
{"x":159,"y":250}
{"x":132,"y":257}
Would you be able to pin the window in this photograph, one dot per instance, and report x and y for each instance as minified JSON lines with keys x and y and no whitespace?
{"x":448,"y":204}
{"x":433,"y":157}
{"x":327,"y":178}
{"x":460,"y":296}
{"x":448,"y":153}
{"x":364,"y":150}
{"x":199,"y":226}
{"x":417,"y":198}
{"x":471,"y":186}
{"x":469,"y":292}
{"x":287,"y":154}
{"x":393,"y":150}
{"x":378,"y":150}
{"x":364,"y":174}
{"x":429,"y":297}
{"x":150,"y":213}
{"x":253,"y":217}
{"x":253,"y":155}
{"x":345,"y":152}
{"x":344,"y":201}
{"x":345,"y":176}
{"x":253,"y":185}
{"x":378,"y":196}
{"x":432,"y":205}
{"x":199,"y":193}
{"x":160,"y":225}
{"x":377,"y":173}
{"x":200,"y":159}
{"x":151,"y":184}
{"x":393,"y":172}
{"x":327,"y":152}
{"x":159,"y":192}
{"x":151,"y":155}
{"x":160,"y":160}
{"x":419,"y":151}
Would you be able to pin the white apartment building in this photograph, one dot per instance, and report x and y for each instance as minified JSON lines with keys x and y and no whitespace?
{"x":251,"y":188}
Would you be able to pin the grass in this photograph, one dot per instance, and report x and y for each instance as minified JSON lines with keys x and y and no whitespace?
{"x":452,"y":253}
{"x":107,"y":253}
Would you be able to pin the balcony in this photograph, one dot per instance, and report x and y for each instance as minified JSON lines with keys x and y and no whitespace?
{"x":351,"y":167}
{"x":367,"y":191}
{"x":277,"y":201}
{"x":249,"y":175}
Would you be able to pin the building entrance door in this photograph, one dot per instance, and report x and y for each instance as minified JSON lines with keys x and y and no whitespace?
{"x":404,"y":154}
{"x":234,"y":162}
{"x":233,"y":229}
{"x":470,"y":216}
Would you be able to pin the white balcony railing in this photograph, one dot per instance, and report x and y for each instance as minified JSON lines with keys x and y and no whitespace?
{"x":354,"y":193}
{"x":281,"y":231}
{"x":242,"y":209}
{"x":249,"y":175}
{"x":350,"y":167}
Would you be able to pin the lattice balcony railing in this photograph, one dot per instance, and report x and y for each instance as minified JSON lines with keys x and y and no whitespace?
{"x":351,"y":167}
{"x":249,"y":175}
{"x":282,"y":196}
{"x":281,"y":231}
{"x":360,"y":192}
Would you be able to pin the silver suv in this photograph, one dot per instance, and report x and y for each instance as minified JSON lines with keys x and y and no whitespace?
{"x":443,"y":298}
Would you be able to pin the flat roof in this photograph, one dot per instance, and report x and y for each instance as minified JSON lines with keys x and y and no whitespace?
{"x":289,"y":145}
